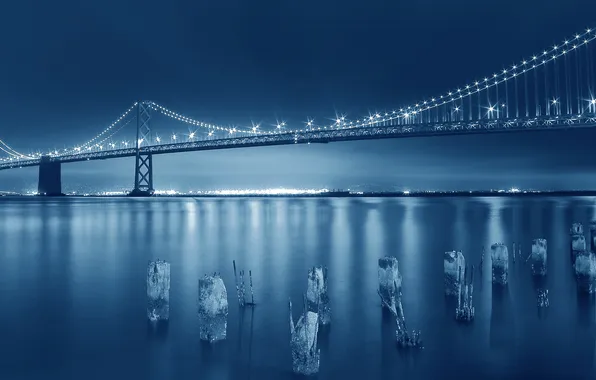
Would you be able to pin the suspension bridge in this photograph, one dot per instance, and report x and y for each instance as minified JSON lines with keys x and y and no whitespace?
{"x":552,"y":89}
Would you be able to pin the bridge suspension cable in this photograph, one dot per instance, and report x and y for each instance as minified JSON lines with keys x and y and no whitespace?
{"x":176,"y":116}
{"x":11,"y":152}
{"x":89,"y":143}
{"x":98,"y":144}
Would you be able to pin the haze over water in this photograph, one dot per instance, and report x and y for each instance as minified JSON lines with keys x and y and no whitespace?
{"x":73,"y":275}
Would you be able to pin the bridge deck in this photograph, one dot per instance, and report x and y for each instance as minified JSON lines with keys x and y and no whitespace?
{"x":335,"y":135}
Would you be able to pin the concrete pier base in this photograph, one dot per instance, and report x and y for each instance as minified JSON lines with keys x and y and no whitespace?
{"x":140,"y":193}
{"x":50,"y":181}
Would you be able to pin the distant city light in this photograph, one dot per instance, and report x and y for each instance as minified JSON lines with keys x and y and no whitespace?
{"x":166,"y":192}
{"x":278,"y":191}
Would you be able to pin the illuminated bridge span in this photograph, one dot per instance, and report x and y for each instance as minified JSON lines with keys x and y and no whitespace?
{"x":553,"y":89}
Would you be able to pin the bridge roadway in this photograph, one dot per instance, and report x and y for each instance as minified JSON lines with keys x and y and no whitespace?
{"x":586,"y":120}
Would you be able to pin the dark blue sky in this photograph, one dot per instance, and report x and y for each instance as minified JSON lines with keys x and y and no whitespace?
{"x":69,"y":68}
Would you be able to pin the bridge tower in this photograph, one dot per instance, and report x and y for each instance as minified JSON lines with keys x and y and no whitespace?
{"x":50,"y":181}
{"x":143,"y":161}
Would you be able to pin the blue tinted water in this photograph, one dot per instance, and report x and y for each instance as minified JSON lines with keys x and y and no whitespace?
{"x":73,"y":299}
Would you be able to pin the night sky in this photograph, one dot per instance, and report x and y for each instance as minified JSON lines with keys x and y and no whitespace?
{"x":69,"y":68}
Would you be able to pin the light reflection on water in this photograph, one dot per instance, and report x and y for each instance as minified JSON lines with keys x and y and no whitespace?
{"x":72,"y":286}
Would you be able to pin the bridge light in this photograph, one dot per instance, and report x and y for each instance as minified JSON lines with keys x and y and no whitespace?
{"x":158,"y":139}
{"x":191,"y":135}
{"x":174,"y":137}
{"x":210,"y":133}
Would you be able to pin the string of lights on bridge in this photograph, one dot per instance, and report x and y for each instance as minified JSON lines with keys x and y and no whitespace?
{"x":452,"y":104}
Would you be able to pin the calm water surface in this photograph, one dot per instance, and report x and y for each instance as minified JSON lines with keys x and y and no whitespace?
{"x":73,"y":306}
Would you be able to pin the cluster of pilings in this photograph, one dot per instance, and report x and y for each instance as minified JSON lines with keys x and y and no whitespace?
{"x":537,"y":258}
{"x":458,"y":281}
{"x":212,"y":299}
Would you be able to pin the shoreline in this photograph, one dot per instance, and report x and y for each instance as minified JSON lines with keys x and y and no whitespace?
{"x":345,"y":194}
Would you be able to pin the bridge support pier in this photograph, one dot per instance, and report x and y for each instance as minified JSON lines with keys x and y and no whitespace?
{"x":143,"y":176}
{"x":50,"y":181}
{"x":143,"y":162}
